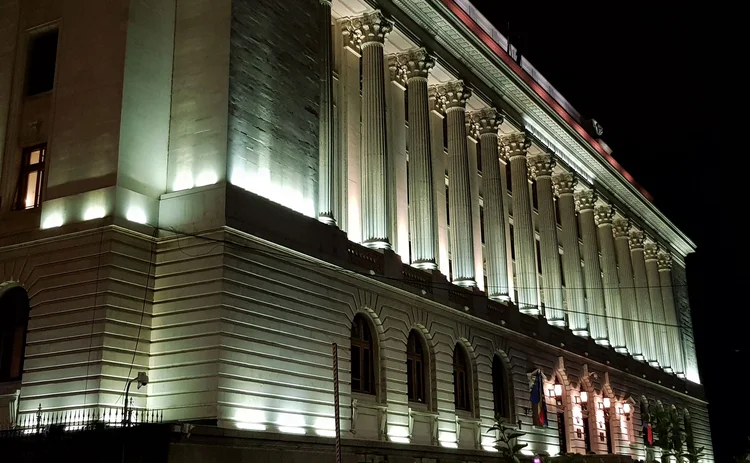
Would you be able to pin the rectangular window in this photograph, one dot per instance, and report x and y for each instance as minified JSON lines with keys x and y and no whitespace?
{"x":479,"y":156}
{"x":29,"y":193}
{"x":481,"y":222}
{"x":445,"y":132}
{"x":534,"y":196}
{"x":508,"y":177}
{"x":42,"y":57}
{"x":538,"y":257}
{"x":447,"y":207}
{"x":512,"y":244}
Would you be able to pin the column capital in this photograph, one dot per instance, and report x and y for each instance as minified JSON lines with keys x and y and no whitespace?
{"x":327,"y":3}
{"x":564,"y":183}
{"x":650,"y":250}
{"x":410,"y":64}
{"x":585,"y":200}
{"x":604,"y":214}
{"x":485,"y":121}
{"x":620,"y":227}
{"x":452,"y":95}
{"x":664,"y":260}
{"x":514,"y":144}
{"x":366,"y":29}
{"x":541,"y":165}
{"x":635,"y":239}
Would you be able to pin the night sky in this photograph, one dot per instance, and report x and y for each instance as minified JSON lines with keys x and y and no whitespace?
{"x":662,"y":80}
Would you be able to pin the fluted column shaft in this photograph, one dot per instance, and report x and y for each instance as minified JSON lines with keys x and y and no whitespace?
{"x":661,"y":339}
{"x":515,"y":147}
{"x":640,"y":280}
{"x":327,"y":156}
{"x":487,"y":123}
{"x":592,"y":272}
{"x":369,"y":31}
{"x":610,"y":282}
{"x":577,"y":320}
{"x":453,"y":97}
{"x":667,"y":293}
{"x":413,"y":68}
{"x":540,"y":168}
{"x":620,"y":230}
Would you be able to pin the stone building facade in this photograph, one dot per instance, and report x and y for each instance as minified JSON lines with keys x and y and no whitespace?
{"x":216,"y":192}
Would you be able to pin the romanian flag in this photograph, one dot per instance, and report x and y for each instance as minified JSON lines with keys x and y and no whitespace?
{"x":538,"y":402}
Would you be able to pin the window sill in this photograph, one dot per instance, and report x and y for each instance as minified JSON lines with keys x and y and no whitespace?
{"x":420,"y":408}
{"x":366,"y":400}
{"x":465,"y":415}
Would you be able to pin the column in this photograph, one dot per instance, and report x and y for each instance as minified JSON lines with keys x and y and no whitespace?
{"x":398,"y":178}
{"x":413,"y":67}
{"x":487,"y":122}
{"x":452,"y":97}
{"x":540,"y":169}
{"x":620,"y":232}
{"x":603,"y":216}
{"x":327,"y":187}
{"x":640,"y":280}
{"x":675,"y":344}
{"x":369,"y":31}
{"x":577,"y":321}
{"x":661,"y":340}
{"x":592,"y":272}
{"x":514,"y":148}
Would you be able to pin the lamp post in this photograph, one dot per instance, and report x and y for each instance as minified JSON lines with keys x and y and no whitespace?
{"x":142,"y":380}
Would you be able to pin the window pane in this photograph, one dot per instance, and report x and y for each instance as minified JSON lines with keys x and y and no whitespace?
{"x":366,"y":370}
{"x":41,"y":63}
{"x":31,"y":193}
{"x":356,"y":367}
{"x":17,"y":353}
{"x":410,"y":380}
{"x":34,"y":157}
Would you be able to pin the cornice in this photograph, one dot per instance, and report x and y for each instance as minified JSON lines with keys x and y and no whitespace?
{"x":446,"y":28}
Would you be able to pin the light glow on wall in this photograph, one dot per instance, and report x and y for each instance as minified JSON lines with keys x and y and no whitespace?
{"x":250,"y":419}
{"x":136,"y":214}
{"x":261,"y":184}
{"x":94,"y":212}
{"x":53,"y":220}
{"x":183,"y":181}
{"x":291,"y":423}
{"x":325,"y":427}
{"x":205,"y":178}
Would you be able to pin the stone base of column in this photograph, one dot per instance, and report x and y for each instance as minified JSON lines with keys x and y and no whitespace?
{"x":377,"y":243}
{"x":499,"y":297}
{"x":653,"y":363}
{"x":559,"y":323}
{"x":639,"y":357}
{"x":534,"y":311}
{"x":681,"y":375}
{"x":668,"y":369}
{"x":621,"y":350}
{"x":582,"y":333}
{"x":467,"y":283}
{"x":602,"y":342}
{"x":425,"y":265}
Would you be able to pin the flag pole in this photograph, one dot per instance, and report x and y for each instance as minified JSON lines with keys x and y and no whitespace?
{"x":336,"y":401}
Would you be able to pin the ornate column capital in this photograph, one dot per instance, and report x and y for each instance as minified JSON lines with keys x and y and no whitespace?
{"x":452,"y":95}
{"x":564,"y":183}
{"x":485,"y":121}
{"x":635,"y":239}
{"x":514,"y":144}
{"x":327,"y":3}
{"x":585,"y":200}
{"x":604,"y":214}
{"x":366,"y":29}
{"x":620,"y":227}
{"x":541,"y":165}
{"x":410,"y":64}
{"x":664,"y":260}
{"x":650,"y":250}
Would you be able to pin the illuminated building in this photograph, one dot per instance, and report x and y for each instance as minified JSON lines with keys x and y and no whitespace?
{"x":215,"y":192}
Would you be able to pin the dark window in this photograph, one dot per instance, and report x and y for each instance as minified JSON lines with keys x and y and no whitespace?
{"x":586,"y":434}
{"x":508,"y":177}
{"x":406,"y":104}
{"x":461,"y":393}
{"x":41,"y":63}
{"x":29,"y":194}
{"x":512,"y":244}
{"x":415,"y":368}
{"x":479,"y":155}
{"x":534,"y":196}
{"x":481,"y":222}
{"x":450,"y":269}
{"x":561,"y":433}
{"x":557,"y":211}
{"x":447,"y":206}
{"x":500,"y":388}
{"x":538,"y":257}
{"x":363,"y":365}
{"x":14,"y":316}
{"x":445,"y":132}
{"x":562,"y":271}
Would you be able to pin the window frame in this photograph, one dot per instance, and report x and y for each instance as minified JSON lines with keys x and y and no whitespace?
{"x":416,"y":371}
{"x":365,"y":361}
{"x":462,"y":396}
{"x":501,"y":389}
{"x":23,"y":177}
{"x":13,"y":334}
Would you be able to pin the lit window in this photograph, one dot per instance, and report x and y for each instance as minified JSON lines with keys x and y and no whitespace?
{"x":30,"y":182}
{"x":415,"y":368}
{"x":363,"y":368}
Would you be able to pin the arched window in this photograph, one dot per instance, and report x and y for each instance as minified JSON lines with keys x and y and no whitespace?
{"x":14,"y":317}
{"x":501,"y":388}
{"x":461,"y":381}
{"x":415,"y":368}
{"x":363,"y":365}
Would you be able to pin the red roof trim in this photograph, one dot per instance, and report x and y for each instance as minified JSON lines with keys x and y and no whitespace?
{"x":494,"y":46}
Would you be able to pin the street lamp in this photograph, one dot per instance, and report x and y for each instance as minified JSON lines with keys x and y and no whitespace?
{"x":558,"y":393}
{"x":142,"y":380}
